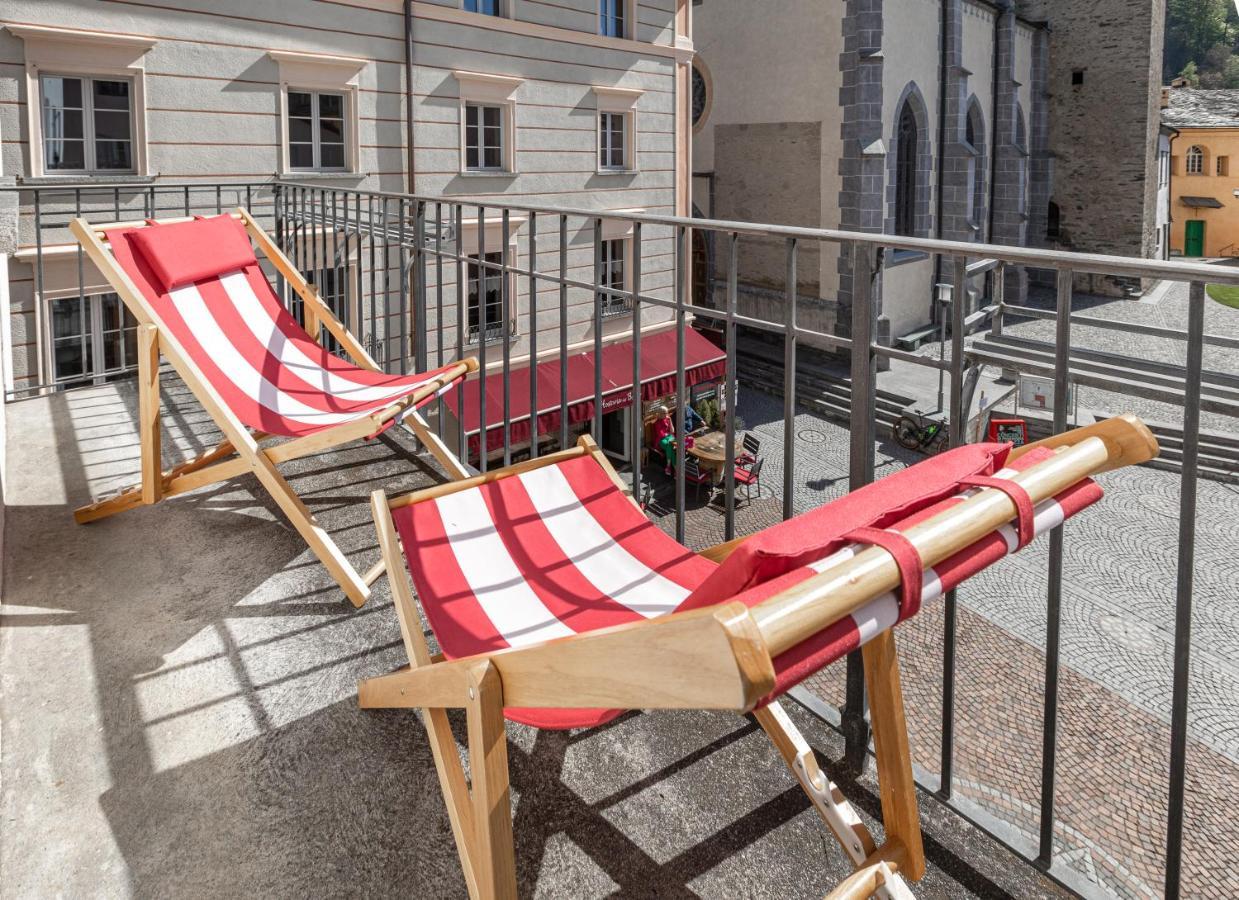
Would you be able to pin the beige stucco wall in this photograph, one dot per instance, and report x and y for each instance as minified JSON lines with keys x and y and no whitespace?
{"x":739,"y":42}
{"x":213,"y":99}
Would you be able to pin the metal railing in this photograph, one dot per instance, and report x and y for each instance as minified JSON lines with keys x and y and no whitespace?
{"x":405,"y":267}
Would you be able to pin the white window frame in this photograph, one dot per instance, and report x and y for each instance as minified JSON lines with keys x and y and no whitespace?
{"x":628,"y":9}
{"x":94,"y":311}
{"x":316,"y":147}
{"x":469,"y":246}
{"x":476,"y":88}
{"x":71,"y":53}
{"x":317,"y":73}
{"x":622,"y":102}
{"x":620,"y":230}
{"x":480,"y":129}
{"x":504,"y":7}
{"x":1194,"y":153}
{"x":89,"y":138}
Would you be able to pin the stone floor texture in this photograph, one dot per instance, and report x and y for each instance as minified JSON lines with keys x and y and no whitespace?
{"x":178,"y":714}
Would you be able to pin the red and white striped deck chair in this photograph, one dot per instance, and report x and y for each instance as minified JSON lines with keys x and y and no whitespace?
{"x":557,"y":604}
{"x":201,"y":299}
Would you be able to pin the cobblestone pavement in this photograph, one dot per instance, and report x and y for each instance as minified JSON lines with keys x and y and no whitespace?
{"x":1117,"y":651}
{"x":1168,"y":312}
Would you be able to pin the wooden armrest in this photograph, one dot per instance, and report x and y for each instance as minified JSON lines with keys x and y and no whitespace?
{"x":1126,"y":437}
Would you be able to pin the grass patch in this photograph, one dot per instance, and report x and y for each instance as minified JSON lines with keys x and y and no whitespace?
{"x":1225,"y":295}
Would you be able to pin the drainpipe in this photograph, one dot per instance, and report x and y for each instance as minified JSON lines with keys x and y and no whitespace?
{"x":408,"y":94}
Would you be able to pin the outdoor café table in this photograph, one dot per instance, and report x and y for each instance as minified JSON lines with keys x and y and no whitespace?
{"x":710,"y":449}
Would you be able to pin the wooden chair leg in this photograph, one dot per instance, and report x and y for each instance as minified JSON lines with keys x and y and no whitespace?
{"x":827,"y":799}
{"x":493,"y":851}
{"x":349,"y":579}
{"x":900,"y":816}
{"x":148,"y":413}
{"x":455,"y":469}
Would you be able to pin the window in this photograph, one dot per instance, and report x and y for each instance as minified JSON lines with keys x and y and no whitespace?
{"x":87,"y":124}
{"x":483,"y":138}
{"x":701,"y":93}
{"x":612,"y":128}
{"x":485,"y":281}
{"x":1223,"y":166}
{"x":316,"y":131}
{"x":613,"y":257}
{"x":487,"y":123}
{"x":611,"y":18}
{"x":91,"y":337}
{"x":331,"y":284}
{"x":485,"y":7}
{"x":617,"y":128}
{"x":1195,"y":161}
{"x":908,"y":139}
{"x":974,"y":137}
{"x":1077,"y":77}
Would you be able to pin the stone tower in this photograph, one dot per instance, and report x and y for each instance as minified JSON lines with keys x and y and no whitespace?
{"x":1104,"y":84}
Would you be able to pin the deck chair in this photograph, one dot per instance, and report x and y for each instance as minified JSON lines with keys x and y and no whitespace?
{"x":201,"y":299}
{"x":557,"y":604}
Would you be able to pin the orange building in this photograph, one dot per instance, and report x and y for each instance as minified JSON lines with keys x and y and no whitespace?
{"x":1204,"y":182}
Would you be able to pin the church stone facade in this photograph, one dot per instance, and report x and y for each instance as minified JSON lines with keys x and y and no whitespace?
{"x":965,"y":120}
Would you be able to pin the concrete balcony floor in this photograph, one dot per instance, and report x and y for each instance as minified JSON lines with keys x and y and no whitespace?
{"x":178,"y":713}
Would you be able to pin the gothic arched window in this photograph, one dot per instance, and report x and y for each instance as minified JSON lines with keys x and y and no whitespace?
{"x":907,"y":145}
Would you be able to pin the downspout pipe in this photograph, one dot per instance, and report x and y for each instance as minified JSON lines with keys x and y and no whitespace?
{"x":408,"y":97}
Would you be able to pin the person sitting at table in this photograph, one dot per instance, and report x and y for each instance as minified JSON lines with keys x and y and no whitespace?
{"x":664,"y":434}
{"x":692,"y":420}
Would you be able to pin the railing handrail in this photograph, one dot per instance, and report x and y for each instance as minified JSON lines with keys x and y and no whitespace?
{"x":1061,"y":260}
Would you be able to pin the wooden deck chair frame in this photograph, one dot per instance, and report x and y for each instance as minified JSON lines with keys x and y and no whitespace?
{"x":241,"y":450}
{"x":714,"y":658}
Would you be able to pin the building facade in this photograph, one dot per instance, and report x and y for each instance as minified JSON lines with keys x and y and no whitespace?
{"x":927,"y":118}
{"x":566,"y":103}
{"x":1202,"y":204}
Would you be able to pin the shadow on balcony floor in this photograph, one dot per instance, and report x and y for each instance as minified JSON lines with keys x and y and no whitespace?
{"x":179,"y":714}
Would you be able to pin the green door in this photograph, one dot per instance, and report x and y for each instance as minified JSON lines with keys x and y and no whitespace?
{"x":1194,"y":238}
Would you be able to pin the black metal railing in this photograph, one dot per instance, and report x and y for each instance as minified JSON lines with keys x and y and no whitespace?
{"x":420,"y":279}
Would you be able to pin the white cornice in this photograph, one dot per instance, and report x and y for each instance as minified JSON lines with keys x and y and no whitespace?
{"x":510,"y":82}
{"x":352,"y":63}
{"x":49,"y":33}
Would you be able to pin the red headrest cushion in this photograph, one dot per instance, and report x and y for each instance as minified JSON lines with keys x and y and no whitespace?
{"x":187,"y":252}
{"x":816,"y":534}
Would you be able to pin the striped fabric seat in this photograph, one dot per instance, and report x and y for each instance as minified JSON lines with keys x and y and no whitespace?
{"x":560,"y":550}
{"x":269,"y":371}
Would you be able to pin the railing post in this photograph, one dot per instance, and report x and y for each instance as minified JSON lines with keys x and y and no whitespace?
{"x":1000,"y":299}
{"x":505,"y":332}
{"x":636,"y":436}
{"x":681,"y":294}
{"x":729,"y":387}
{"x":789,"y":385}
{"x":958,"y":433}
{"x":1185,"y":585}
{"x":1054,"y":589}
{"x":533,"y":335}
{"x":599,"y":300}
{"x":863,"y":410}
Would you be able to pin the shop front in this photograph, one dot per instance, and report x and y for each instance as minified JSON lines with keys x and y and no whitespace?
{"x":704,"y":365}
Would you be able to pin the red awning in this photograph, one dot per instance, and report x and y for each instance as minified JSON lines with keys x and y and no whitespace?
{"x":702,"y":362}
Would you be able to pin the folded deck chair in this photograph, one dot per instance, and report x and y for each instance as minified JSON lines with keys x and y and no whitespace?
{"x":557,"y":604}
{"x":201,"y":299}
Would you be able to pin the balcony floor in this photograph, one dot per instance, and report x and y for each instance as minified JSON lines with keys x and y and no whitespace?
{"x":177,"y":698}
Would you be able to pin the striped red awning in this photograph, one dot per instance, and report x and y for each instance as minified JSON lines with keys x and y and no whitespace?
{"x":703,"y":362}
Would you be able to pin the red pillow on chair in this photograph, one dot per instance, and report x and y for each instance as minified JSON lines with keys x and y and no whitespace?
{"x":187,"y":252}
{"x":818,"y":533}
